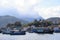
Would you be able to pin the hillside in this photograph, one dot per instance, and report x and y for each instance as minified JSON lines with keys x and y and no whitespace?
{"x":55,"y":20}
{"x":4,"y":20}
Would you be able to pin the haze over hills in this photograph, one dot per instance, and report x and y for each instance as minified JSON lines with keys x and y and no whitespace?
{"x":11,"y":16}
{"x":29,"y":16}
{"x":4,"y":20}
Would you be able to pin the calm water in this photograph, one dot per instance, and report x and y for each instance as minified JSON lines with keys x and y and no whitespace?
{"x":31,"y":36}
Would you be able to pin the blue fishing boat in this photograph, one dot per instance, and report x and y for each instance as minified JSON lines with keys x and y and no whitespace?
{"x":40,"y":30}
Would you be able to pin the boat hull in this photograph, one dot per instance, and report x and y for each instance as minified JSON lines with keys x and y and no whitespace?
{"x":57,"y":31}
{"x":39,"y":31}
{"x":18,"y":33}
{"x":48,"y":32}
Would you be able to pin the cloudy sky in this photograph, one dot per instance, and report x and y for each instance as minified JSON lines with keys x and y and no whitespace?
{"x":45,"y":8}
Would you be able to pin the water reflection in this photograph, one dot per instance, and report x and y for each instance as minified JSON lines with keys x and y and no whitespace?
{"x":31,"y":36}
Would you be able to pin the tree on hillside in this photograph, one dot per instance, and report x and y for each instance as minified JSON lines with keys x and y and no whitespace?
{"x":36,"y":23}
{"x":18,"y":23}
{"x":9,"y":25}
{"x":46,"y":23}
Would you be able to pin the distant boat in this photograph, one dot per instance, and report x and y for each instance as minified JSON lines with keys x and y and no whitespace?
{"x":56,"y":29}
{"x":30,"y":30}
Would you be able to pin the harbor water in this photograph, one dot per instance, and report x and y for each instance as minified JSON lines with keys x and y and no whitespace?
{"x":31,"y":36}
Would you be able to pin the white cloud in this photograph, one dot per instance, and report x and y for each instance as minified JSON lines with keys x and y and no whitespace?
{"x":34,"y":5}
{"x":30,"y":2}
{"x":24,"y":7}
{"x":48,"y":12}
{"x":20,"y":5}
{"x":3,"y":3}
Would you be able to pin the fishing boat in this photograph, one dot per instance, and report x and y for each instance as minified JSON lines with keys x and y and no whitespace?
{"x":6,"y":30}
{"x":40,"y":30}
{"x":17,"y":32}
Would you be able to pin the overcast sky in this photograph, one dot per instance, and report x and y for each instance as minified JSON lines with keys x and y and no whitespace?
{"x":45,"y":8}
